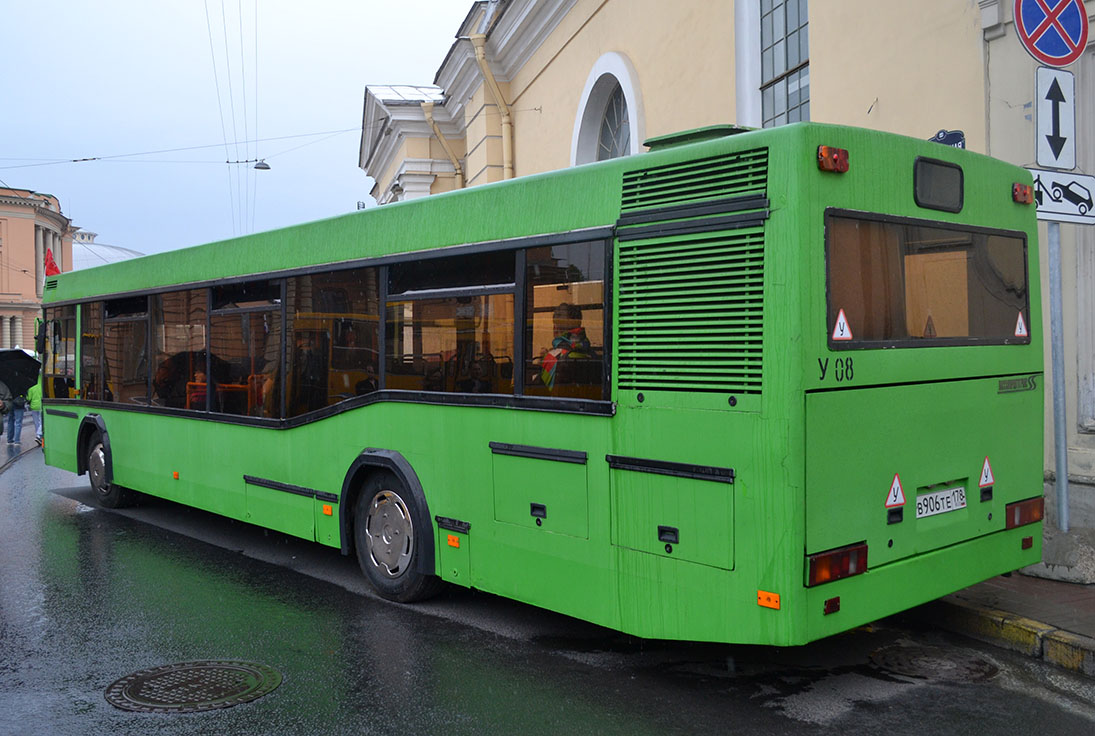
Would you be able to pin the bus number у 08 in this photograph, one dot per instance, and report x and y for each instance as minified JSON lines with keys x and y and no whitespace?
{"x":843,"y":370}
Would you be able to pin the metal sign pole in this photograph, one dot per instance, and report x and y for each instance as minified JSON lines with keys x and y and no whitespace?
{"x":1060,"y":436}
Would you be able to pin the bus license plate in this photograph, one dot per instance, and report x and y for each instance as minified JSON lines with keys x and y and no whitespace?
{"x":940,"y":502}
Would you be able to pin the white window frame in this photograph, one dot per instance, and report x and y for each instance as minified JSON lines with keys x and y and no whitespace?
{"x":611,"y":69}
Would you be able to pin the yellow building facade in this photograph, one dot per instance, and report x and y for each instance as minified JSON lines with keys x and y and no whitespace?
{"x":535,"y":85}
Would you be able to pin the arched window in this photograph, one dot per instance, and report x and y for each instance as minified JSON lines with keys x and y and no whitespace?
{"x":615,"y":137}
{"x":610,"y":114}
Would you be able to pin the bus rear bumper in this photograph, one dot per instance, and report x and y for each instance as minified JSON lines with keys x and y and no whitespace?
{"x":913,"y":581}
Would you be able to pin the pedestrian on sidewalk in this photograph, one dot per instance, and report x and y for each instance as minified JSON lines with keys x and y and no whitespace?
{"x":15,"y":418}
{"x":5,"y":406}
{"x":34,"y":399}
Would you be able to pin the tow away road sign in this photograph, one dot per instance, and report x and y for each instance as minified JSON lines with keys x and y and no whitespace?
{"x":1063,"y":197}
{"x":1056,"y":118}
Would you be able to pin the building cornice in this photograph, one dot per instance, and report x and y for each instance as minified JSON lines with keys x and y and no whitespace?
{"x":512,"y":40}
{"x":993,"y":19}
{"x":39,"y":209}
{"x":414,"y":179}
{"x":385,"y":123}
{"x":515,"y":34}
{"x":521,"y":30}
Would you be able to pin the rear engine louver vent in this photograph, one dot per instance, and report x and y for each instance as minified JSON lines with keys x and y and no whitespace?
{"x":51,"y":284}
{"x":691,"y":275}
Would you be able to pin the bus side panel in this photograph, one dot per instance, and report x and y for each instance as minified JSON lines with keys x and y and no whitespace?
{"x":59,"y":432}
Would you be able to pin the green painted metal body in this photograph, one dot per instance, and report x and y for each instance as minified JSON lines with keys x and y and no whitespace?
{"x":813,"y":456}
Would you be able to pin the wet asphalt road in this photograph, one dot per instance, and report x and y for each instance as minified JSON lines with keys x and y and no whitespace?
{"x":88,"y":596}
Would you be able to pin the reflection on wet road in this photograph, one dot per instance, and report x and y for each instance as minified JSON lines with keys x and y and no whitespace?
{"x":88,"y":596}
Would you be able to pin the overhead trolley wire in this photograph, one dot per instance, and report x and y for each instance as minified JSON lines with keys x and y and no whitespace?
{"x":220,"y":107}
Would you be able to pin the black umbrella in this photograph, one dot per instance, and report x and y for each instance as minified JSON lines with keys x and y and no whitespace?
{"x":18,"y":370}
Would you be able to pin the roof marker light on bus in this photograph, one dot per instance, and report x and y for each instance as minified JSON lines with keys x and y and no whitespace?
{"x":1022,"y":513}
{"x":832,"y":159}
{"x":1022,"y":194}
{"x":835,"y":564}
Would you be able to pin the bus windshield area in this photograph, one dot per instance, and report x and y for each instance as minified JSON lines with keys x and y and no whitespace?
{"x":904,"y":283}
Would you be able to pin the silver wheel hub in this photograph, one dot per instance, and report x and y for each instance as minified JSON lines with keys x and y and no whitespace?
{"x":389,"y":532}
{"x":96,"y":468}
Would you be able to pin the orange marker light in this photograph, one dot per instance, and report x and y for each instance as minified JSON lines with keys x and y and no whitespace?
{"x":454,"y":541}
{"x":327,"y":509}
{"x":832,"y":159}
{"x":1022,"y":194}
{"x":175,"y":475}
{"x":768,"y":600}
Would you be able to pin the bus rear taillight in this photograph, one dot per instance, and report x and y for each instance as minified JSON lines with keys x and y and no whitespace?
{"x":1022,"y":513}
{"x":825,"y":567}
{"x":1022,"y":194}
{"x":832,"y":159}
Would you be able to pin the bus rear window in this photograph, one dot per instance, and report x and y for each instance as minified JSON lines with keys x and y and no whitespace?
{"x":907,"y":283}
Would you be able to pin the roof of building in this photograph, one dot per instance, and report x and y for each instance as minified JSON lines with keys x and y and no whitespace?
{"x":411,"y":94}
{"x":86,"y":253}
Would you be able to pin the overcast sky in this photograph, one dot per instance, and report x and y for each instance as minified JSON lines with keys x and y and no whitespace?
{"x":116,"y":77}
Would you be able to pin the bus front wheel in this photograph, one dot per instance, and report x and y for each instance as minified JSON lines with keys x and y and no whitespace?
{"x":108,"y":493}
{"x":386,"y":540}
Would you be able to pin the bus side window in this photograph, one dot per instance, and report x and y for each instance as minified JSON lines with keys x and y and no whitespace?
{"x":332,"y":338}
{"x":564,"y":331}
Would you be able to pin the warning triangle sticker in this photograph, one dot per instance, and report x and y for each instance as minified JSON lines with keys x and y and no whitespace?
{"x":841,"y":330}
{"x":897,"y":495}
{"x":1021,"y":327}
{"x":986,"y":475}
{"x":929,"y":328}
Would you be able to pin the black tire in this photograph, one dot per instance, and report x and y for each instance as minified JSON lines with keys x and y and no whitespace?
{"x":387,"y":541}
{"x":108,"y":494}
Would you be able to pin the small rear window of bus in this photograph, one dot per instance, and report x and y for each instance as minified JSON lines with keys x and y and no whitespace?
{"x":909,"y":283}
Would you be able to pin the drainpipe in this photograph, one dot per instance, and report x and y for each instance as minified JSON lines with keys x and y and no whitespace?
{"x":427,"y":110}
{"x":479,"y":41}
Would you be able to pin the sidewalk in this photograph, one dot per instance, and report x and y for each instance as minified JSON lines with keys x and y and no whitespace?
{"x":1046,"y":619}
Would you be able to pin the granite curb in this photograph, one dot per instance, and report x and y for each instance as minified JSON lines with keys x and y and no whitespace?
{"x":1065,"y":649}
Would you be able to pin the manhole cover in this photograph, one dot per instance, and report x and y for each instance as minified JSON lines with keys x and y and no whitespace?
{"x":934,"y":663}
{"x":192,"y":686}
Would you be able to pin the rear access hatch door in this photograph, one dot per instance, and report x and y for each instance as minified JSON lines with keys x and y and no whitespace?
{"x":958,"y":450}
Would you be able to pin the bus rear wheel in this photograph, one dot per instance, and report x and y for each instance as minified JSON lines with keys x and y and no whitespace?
{"x":386,"y":540}
{"x":107,"y":493}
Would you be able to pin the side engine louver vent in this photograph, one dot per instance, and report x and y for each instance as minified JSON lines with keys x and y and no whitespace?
{"x":691,"y":275}
{"x":51,"y":284}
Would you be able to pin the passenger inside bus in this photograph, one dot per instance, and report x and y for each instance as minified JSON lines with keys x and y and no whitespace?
{"x":571,"y":343}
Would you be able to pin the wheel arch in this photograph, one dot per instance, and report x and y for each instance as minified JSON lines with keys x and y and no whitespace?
{"x":89,"y":425}
{"x":368,"y":462}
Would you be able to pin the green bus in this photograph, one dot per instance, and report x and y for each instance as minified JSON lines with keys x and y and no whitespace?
{"x":750,"y":386}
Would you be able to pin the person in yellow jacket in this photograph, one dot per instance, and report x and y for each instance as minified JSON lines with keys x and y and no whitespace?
{"x":34,"y":399}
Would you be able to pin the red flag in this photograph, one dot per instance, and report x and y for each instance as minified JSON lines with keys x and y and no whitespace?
{"x":51,"y":265}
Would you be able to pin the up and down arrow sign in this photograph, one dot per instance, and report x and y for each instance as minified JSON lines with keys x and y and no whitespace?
{"x":1056,"y":118}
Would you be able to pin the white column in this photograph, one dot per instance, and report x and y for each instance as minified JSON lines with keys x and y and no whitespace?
{"x":39,"y":257}
{"x":5,"y":332}
{"x":17,"y":332}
